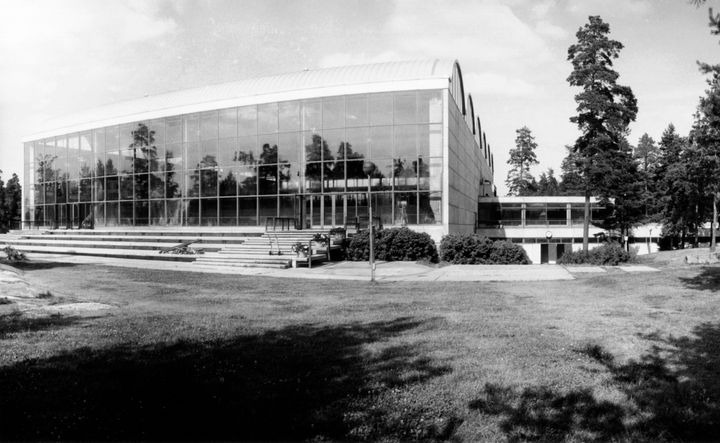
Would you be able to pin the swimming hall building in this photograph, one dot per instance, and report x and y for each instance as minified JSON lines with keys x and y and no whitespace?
{"x":301,"y":146}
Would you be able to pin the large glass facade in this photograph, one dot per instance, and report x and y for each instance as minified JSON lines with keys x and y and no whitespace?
{"x":311,"y":160}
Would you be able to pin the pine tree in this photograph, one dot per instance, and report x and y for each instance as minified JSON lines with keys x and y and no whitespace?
{"x":605,"y":109}
{"x":519,"y":180}
{"x":647,"y":155}
{"x":571,"y":180}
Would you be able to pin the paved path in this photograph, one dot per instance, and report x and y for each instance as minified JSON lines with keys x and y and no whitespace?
{"x":384,"y":271}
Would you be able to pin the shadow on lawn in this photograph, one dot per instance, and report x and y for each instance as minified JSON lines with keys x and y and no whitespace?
{"x":15,"y":322}
{"x":673,"y":394}
{"x":708,"y":279}
{"x":30,"y":265}
{"x":296,"y":383}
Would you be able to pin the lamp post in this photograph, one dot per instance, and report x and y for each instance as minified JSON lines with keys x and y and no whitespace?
{"x":368,"y":169}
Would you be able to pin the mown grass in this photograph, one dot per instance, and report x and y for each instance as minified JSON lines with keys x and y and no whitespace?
{"x":626,"y":357}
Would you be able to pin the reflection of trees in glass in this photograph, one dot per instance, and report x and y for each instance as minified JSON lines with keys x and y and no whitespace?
{"x":45,"y":167}
{"x":172,"y":187}
{"x":228,"y":185}
{"x":267,"y":171}
{"x":315,"y":152}
{"x":244,"y":158}
{"x":206,"y":176}
{"x":144,"y":160}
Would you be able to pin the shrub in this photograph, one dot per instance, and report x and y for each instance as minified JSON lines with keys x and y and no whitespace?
{"x":395,"y":244}
{"x":465,"y":249}
{"x":608,"y":254}
{"x":13,"y":255}
{"x":508,"y":253}
{"x":475,"y":249}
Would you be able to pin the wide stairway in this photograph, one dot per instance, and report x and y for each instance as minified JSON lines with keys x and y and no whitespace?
{"x":150,"y":244}
{"x":274,"y":249}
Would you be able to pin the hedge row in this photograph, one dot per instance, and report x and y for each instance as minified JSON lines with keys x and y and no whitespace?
{"x":477,"y":249}
{"x":403,"y":244}
{"x":609,"y":254}
{"x":396,"y":244}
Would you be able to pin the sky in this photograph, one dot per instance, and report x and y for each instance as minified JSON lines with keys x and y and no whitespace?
{"x":62,"y":56}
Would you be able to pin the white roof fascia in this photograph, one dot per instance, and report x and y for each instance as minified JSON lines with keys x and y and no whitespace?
{"x":300,"y":94}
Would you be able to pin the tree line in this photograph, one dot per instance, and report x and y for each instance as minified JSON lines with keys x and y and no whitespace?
{"x":675,"y":182}
{"x":10,"y":203}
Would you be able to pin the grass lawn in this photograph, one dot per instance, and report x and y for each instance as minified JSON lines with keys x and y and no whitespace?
{"x":181,"y":356}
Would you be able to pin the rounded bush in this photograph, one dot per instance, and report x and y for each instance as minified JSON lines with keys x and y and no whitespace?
{"x":395,"y":244}
{"x":473,"y":249}
{"x":608,"y":254}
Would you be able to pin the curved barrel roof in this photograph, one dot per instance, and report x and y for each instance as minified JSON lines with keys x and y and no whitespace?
{"x":376,"y":77}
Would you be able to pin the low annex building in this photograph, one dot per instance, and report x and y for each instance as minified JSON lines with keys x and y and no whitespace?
{"x":303,"y":146}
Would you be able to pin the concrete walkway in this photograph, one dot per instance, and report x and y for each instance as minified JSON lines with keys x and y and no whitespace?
{"x":384,"y":271}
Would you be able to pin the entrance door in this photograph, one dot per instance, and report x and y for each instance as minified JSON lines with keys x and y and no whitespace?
{"x":544,"y":249}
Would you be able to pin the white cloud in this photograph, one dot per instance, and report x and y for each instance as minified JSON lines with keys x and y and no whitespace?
{"x":491,"y":83}
{"x":545,"y":28}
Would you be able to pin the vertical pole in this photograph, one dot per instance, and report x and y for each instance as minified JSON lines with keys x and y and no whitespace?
{"x":371,"y":234}
{"x":714,"y":223}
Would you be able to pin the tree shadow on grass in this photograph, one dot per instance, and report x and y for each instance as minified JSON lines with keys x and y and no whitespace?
{"x":295,"y":383}
{"x":30,"y":265}
{"x":16,"y":322}
{"x":673,"y":394}
{"x":707,"y":280}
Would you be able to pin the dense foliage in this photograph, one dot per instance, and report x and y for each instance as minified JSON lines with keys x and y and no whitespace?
{"x":10,"y":203}
{"x":608,"y":254}
{"x":477,"y":249}
{"x":395,"y":244}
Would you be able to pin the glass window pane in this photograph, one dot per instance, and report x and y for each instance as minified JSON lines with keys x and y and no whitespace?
{"x":268,"y":149}
{"x":511,"y":214}
{"x":126,"y":134}
{"x":357,"y":143}
{"x":289,"y":116}
{"x":405,"y":108}
{"x":193,"y":155}
{"x":126,"y":161}
{"x":209,"y":152}
{"x":430,"y":208}
{"x":405,"y":142}
{"x":208,"y":182}
{"x":192,"y":180}
{"x":267,"y":207}
{"x":333,"y":143}
{"x":289,"y":175}
{"x":381,"y":109}
{"x":111,"y":188}
{"x":228,"y":123}
{"x":314,"y":146}
{"x":535,"y":214}
{"x":173,"y":130}
{"x":173,"y":185}
{"x":191,"y":128}
{"x":142,"y":184}
{"x":112,"y":138}
{"x":557,"y":214}
{"x":357,"y":110}
{"x":208,"y":126}
{"x":312,"y":116}
{"x":157,"y":185}
{"x":227,"y":151}
{"x":192,"y":212}
{"x":430,"y":108}
{"x":173,"y":157}
{"x":99,"y":140}
{"x":126,"y":187}
{"x":208,"y":211}
{"x":247,"y":153}
{"x":112,"y":215}
{"x":267,"y":118}
{"x":247,"y":212}
{"x":381,"y":141}
{"x":227,"y":185}
{"x":142,"y":214}
{"x":247,"y":120}
{"x":157,"y":132}
{"x":157,"y":213}
{"x":247,"y":180}
{"x":289,"y":147}
{"x":333,"y":112}
{"x":267,"y":179}
{"x":228,"y":211}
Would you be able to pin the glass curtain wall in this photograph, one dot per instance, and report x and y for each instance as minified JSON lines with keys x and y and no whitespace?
{"x":307,"y":159}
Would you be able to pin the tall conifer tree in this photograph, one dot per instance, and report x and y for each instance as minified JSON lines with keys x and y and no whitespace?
{"x":604,"y":111}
